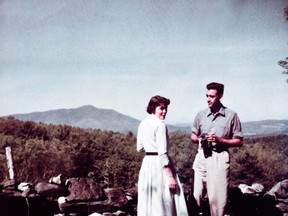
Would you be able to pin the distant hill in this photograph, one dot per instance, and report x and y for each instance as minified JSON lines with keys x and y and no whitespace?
{"x":107,"y":119}
{"x":87,"y":117}
{"x":260,"y":128}
{"x":265,"y":127}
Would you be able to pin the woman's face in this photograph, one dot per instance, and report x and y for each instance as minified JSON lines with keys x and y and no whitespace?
{"x":161,"y":112}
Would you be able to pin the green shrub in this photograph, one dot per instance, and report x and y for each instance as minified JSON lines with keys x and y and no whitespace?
{"x":41,"y":151}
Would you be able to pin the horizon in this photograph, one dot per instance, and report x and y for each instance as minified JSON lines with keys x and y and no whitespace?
{"x":167,"y":122}
{"x":118,"y":54}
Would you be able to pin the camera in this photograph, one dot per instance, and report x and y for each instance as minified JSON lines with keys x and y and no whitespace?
{"x":206,"y":145}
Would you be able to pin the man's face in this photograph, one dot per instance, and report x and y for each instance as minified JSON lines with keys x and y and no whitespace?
{"x":213,"y":99}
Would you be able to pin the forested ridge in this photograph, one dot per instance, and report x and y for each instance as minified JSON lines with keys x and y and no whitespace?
{"x":41,"y":151}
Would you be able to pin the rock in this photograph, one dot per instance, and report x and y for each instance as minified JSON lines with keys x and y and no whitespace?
{"x":10,"y":184}
{"x":85,"y":207}
{"x":115,"y":200}
{"x":20,"y":206}
{"x":50,"y":190}
{"x":60,"y":180}
{"x":84,"y":189}
{"x":116,"y":197}
{"x":24,"y":186}
{"x":131,"y":193}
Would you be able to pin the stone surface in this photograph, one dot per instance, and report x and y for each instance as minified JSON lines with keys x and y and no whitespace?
{"x":50,"y":190}
{"x":84,"y":189}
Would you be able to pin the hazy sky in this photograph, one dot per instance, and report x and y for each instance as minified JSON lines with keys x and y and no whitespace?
{"x":117,"y":54}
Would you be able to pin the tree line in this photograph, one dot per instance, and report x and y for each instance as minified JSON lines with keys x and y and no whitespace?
{"x":41,"y":151}
{"x":284,"y":63}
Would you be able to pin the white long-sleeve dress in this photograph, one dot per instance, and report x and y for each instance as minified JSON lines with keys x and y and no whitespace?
{"x":154,"y":195}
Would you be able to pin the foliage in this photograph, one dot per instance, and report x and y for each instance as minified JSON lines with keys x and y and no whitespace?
{"x":286,"y":13}
{"x":182,"y":152}
{"x":41,"y":151}
{"x":262,"y":160}
{"x":284,"y":63}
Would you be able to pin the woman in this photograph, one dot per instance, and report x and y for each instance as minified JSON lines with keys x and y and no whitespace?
{"x":159,"y":188}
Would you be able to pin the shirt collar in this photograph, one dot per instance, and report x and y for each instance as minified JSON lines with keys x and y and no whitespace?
{"x":152,"y":116}
{"x":220,"y":112}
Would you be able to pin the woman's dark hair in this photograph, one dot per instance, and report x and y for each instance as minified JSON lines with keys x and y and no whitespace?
{"x":155,"y":102}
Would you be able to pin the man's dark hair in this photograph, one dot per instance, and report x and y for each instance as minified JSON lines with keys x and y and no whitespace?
{"x":216,"y":86}
{"x":155,"y":102}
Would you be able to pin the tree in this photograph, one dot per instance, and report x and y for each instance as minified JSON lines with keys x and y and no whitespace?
{"x":284,"y":63}
{"x":286,"y":13}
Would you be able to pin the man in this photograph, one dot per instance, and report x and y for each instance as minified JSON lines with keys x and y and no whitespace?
{"x":215,"y":129}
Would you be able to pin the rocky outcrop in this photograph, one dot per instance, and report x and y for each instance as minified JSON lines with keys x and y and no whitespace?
{"x":75,"y":196}
{"x":85,"y":196}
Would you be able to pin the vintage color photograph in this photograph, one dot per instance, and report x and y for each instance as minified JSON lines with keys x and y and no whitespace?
{"x":99,"y":94}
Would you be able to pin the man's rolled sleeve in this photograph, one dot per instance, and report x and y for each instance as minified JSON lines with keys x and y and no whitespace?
{"x":196,"y":125}
{"x":237,"y":128}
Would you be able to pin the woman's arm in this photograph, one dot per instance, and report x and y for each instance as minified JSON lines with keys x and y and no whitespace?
{"x":171,"y":178}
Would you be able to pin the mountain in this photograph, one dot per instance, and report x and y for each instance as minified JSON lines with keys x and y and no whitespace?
{"x":85,"y":117}
{"x":106,"y":119}
{"x":265,"y":127}
{"x":259,"y":128}
{"x":88,"y":117}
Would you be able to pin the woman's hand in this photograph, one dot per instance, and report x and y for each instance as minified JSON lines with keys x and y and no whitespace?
{"x":172,"y":183}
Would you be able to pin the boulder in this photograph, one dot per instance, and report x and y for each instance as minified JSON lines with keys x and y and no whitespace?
{"x":84,"y":189}
{"x":21,"y":206}
{"x":115,"y":200}
{"x":116,"y":197}
{"x":50,"y":190}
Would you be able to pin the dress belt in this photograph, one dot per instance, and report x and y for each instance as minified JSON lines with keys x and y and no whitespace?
{"x":152,"y":153}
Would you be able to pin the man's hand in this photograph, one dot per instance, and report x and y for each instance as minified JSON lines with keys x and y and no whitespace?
{"x":213,"y":139}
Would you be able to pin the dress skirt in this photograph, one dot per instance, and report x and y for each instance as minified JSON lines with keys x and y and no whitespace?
{"x":154,"y":195}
